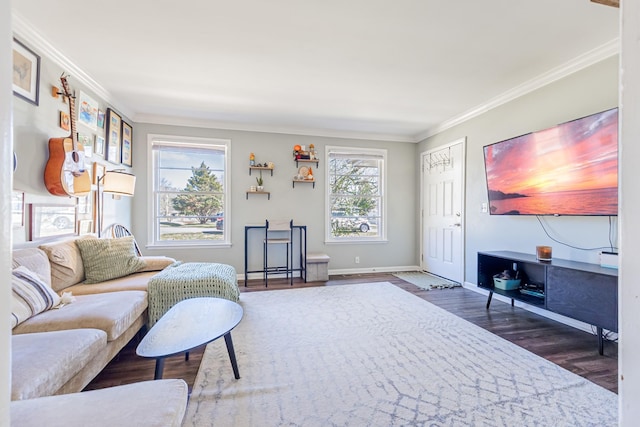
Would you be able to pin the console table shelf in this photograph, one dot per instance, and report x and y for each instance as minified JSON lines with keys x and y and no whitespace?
{"x":581,"y":291}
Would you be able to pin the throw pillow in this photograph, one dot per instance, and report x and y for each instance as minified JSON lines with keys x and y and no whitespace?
{"x":156,"y":263}
{"x":106,"y":259}
{"x":30,"y":295}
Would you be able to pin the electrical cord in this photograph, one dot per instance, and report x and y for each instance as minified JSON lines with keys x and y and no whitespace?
{"x":613,"y":248}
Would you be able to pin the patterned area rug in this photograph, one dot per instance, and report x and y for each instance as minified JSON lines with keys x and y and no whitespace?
{"x":426,"y":281}
{"x":375,"y":355}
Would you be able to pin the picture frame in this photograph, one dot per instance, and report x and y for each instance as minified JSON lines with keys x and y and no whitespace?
{"x":87,"y":142}
{"x":100,"y":120}
{"x":98,"y":172}
{"x":51,"y":221}
{"x":87,"y":111}
{"x":17,"y":209}
{"x":113,"y":136}
{"x":65,"y":121}
{"x":127,"y":142}
{"x":85,"y":226}
{"x":26,"y":73}
{"x":99,"y":145}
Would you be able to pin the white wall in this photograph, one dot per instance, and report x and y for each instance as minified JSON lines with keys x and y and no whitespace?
{"x":304,"y":204}
{"x":588,"y":91}
{"x":629,"y":292}
{"x":6,"y":149}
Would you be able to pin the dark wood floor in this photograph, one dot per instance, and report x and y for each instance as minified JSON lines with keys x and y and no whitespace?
{"x":568,"y":347}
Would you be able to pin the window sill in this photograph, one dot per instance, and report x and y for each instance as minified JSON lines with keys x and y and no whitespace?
{"x":165,"y":246}
{"x":355,"y":241}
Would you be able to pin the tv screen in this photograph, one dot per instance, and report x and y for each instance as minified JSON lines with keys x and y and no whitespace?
{"x":568,"y":169}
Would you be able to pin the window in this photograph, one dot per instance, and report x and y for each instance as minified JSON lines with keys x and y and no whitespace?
{"x":190,"y":191}
{"x":355,"y":197}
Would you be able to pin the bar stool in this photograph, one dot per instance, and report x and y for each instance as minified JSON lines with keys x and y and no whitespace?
{"x":274,"y":235}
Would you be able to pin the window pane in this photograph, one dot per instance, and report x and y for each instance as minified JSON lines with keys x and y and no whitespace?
{"x":189,"y":192}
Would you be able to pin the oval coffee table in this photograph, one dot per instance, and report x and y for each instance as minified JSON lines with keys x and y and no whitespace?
{"x":190,"y":324}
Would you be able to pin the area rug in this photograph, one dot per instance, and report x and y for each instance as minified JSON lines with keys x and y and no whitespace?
{"x":425,"y":280}
{"x":375,"y":355}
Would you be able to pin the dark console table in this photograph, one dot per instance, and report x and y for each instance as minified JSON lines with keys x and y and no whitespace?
{"x":581,"y":291}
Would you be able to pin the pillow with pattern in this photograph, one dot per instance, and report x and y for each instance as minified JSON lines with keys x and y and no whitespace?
{"x":106,"y":259}
{"x":29,"y":296}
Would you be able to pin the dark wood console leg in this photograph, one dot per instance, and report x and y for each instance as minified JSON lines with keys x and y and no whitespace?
{"x":489,"y":299}
{"x":600,"y":341}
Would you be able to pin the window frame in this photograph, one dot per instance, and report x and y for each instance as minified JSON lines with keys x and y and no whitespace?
{"x":187,"y":142}
{"x":382,"y":226}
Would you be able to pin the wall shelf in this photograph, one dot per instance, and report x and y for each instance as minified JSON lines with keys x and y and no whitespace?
{"x":316,"y":161}
{"x":308,"y":181}
{"x":259,"y":192}
{"x":260,"y":168}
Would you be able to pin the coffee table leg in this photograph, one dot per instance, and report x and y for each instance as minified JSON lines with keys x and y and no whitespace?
{"x":159,"y":368}
{"x":232,"y":355}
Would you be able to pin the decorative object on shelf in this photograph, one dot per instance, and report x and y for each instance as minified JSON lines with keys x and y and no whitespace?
{"x":26,"y":73}
{"x":260,"y":181}
{"x":543,"y":253}
{"x":113,"y":136}
{"x":65,"y":173}
{"x":252,"y":159}
{"x":312,"y":152}
{"x":303,"y":172}
{"x":310,"y":174}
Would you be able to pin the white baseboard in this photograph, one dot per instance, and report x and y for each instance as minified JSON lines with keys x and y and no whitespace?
{"x":343,"y":271}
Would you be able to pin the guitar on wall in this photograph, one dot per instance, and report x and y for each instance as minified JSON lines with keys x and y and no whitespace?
{"x":65,"y":173}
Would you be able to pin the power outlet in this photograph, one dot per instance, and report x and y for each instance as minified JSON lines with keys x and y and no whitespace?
{"x":357,"y":260}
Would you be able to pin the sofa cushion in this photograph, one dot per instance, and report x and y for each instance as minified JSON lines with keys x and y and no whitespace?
{"x":29,"y":296}
{"x":106,"y":259}
{"x":132,"y":282}
{"x":43,"y":362}
{"x":66,"y":263}
{"x":148,"y":403}
{"x":156,"y":263}
{"x":35,"y":260}
{"x":113,"y":312}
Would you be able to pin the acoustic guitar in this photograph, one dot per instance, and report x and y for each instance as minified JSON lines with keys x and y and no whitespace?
{"x":65,"y":173}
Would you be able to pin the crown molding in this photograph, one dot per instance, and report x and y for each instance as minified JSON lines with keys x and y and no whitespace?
{"x":211,"y":124}
{"x":583,"y":61}
{"x":29,"y":35}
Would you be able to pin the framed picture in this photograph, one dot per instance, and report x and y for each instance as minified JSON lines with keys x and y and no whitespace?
{"x":100,"y":121}
{"x":113,"y":136}
{"x":85,"y":226}
{"x":87,"y":142}
{"x":26,"y":73}
{"x":65,"y":121}
{"x":127,"y":137}
{"x":49,"y":221}
{"x":98,"y":147}
{"x":17,"y":209}
{"x":87,"y":111}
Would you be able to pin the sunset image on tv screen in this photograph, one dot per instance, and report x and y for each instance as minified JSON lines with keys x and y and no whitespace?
{"x":569,"y":169}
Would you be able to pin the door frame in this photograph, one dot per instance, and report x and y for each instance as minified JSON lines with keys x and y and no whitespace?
{"x":462,"y":141}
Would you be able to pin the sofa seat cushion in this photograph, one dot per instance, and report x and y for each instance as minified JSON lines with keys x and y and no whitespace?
{"x":35,"y":260}
{"x":132,"y":282}
{"x":43,"y":362}
{"x":113,"y":312}
{"x":159,"y":403}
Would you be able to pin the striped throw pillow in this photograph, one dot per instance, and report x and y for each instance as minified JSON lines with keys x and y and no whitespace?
{"x":30,"y":295}
{"x":106,"y":259}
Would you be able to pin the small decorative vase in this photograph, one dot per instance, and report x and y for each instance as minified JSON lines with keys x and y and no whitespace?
{"x":260,"y":188}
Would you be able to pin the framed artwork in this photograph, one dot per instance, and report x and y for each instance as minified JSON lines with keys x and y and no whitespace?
{"x":17,"y":209}
{"x":26,"y":73}
{"x":87,"y":142}
{"x":113,"y":136}
{"x":87,"y":111}
{"x":98,"y":146}
{"x":65,"y":121}
{"x":85,"y":226}
{"x":100,"y":121}
{"x":49,"y":221}
{"x":127,"y":137}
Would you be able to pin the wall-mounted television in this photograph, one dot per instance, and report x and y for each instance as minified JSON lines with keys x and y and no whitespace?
{"x":568,"y":169}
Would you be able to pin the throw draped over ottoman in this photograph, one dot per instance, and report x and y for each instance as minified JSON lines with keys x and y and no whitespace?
{"x":190,"y":280}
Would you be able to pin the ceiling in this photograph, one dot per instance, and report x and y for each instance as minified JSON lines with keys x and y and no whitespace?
{"x":380,"y":69}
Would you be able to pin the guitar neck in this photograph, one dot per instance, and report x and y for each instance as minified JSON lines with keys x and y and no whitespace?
{"x":72,"y":111}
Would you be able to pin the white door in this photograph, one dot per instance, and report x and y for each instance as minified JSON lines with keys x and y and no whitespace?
{"x":442,"y":211}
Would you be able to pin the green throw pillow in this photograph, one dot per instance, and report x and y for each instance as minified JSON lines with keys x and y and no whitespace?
{"x":106,"y":259}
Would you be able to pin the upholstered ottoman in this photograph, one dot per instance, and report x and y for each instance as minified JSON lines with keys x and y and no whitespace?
{"x":159,"y":403}
{"x":190,"y":280}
